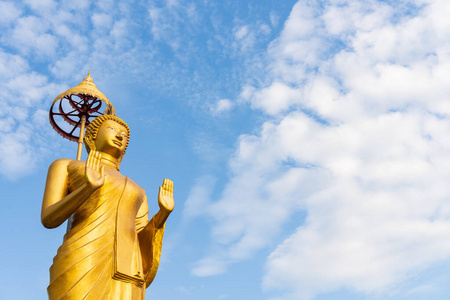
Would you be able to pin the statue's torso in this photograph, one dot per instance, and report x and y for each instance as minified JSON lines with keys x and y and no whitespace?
{"x":101,"y":241}
{"x":114,"y":181}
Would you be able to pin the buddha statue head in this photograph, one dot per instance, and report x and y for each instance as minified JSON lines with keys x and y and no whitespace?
{"x":108,"y":134}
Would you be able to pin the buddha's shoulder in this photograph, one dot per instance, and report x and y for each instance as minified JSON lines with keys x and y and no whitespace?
{"x":67,"y":163}
{"x":130,"y":181}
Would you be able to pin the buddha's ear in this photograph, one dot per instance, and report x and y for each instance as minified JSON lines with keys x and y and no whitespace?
{"x":89,"y":143}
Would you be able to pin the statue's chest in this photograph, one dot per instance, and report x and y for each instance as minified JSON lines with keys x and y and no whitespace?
{"x":118,"y":193}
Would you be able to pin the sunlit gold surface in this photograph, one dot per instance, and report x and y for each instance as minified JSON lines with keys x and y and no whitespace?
{"x":111,"y":250}
{"x":87,"y":87}
{"x":81,"y":137}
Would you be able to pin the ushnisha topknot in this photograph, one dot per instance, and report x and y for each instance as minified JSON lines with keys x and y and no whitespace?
{"x":92,"y":130}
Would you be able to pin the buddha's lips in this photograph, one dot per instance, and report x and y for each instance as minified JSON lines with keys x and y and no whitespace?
{"x":117,"y":143}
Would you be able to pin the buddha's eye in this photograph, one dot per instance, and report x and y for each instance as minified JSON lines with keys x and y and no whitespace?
{"x":112,"y":128}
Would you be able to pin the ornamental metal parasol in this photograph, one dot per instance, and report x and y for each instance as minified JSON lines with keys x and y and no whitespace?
{"x":76,"y":106}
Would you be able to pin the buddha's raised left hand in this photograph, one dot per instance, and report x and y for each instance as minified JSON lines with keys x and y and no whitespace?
{"x":165,"y":196}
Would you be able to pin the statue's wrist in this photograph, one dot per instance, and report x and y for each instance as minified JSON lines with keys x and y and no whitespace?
{"x":90,"y":187}
{"x":161,"y":217}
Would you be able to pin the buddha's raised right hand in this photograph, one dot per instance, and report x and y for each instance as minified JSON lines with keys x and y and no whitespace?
{"x":93,"y":171}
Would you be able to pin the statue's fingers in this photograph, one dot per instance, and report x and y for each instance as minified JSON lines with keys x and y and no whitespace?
{"x":89,"y":160}
{"x":97,"y":161}
{"x":94,"y":161}
{"x":167,"y":187}
{"x":171,"y":188}
{"x":102,"y":169}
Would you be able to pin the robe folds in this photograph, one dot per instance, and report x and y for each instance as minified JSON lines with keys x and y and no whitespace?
{"x":111,"y":250}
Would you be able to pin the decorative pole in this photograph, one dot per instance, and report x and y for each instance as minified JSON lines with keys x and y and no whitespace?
{"x":76,"y":106}
{"x":80,"y":139}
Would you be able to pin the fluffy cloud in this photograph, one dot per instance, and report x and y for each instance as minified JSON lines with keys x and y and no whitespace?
{"x":23,"y":140}
{"x":222,"y":106}
{"x":8,"y":12}
{"x":166,"y":44}
{"x":167,"y":20}
{"x":56,"y":36}
{"x":358,"y":139}
{"x":276,"y":98}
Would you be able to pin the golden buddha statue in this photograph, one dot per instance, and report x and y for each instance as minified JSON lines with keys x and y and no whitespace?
{"x":111,"y":250}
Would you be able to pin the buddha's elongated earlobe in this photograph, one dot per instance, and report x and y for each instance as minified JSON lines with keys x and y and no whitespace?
{"x":89,"y":143}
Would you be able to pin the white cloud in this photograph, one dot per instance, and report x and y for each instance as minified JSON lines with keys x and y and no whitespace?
{"x":276,"y":98}
{"x":247,"y":36}
{"x":274,"y":18}
{"x":21,"y":119}
{"x":119,"y":31}
{"x":101,"y":21}
{"x":167,"y":20}
{"x":241,"y":32}
{"x":222,"y":106}
{"x":41,"y":6}
{"x":106,"y":5}
{"x":31,"y":34}
{"x":208,"y":267}
{"x":200,"y":197}
{"x":359,"y":141}
{"x":54,"y":37}
{"x":9,"y":12}
{"x":155,"y":17}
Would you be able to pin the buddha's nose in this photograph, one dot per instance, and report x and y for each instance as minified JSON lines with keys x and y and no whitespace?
{"x":119,"y":137}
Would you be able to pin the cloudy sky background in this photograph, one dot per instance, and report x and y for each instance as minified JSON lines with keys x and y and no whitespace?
{"x":308,"y":141}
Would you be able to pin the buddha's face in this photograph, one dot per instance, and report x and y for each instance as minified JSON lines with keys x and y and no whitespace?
{"x":112,"y":138}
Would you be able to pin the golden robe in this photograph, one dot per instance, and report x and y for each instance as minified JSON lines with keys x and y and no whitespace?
{"x":111,"y":250}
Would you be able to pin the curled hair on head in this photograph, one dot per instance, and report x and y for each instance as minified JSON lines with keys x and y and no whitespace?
{"x":92,"y":130}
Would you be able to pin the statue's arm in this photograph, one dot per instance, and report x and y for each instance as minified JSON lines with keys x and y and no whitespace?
{"x":150,"y":242}
{"x":142,"y":215}
{"x":151,"y":233}
{"x":58,"y":204}
{"x":166,"y":206}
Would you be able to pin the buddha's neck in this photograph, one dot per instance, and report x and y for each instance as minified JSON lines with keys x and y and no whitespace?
{"x":109,"y":160}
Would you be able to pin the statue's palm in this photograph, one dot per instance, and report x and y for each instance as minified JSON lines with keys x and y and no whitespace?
{"x":93,"y":172}
{"x":165,"y":196}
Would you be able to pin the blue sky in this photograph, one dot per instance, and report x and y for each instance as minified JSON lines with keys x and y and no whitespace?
{"x":308,"y":141}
